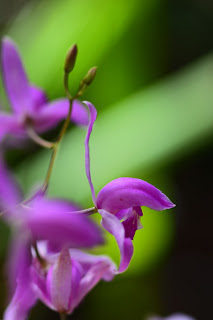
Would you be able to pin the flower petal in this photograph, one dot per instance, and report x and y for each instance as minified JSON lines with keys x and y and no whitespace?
{"x":87,"y":260}
{"x":130,"y":226}
{"x":19,"y":259}
{"x":54,"y":112}
{"x":15,"y":79}
{"x":53,"y":220}
{"x":23,"y":300}
{"x":93,"y":116}
{"x":10,"y":194}
{"x":177,"y":316}
{"x":39,"y":98}
{"x":9,"y":124}
{"x":20,"y":270}
{"x":112,"y":224}
{"x":60,"y":283}
{"x":91,"y":278}
{"x":123,"y":193}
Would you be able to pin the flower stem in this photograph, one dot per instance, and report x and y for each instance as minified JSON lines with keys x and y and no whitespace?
{"x":63,"y":316}
{"x":37,"y":139}
{"x":66,"y":85}
{"x":88,"y":211}
{"x":56,"y":145}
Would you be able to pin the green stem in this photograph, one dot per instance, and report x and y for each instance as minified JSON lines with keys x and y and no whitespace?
{"x":66,"y":85}
{"x":55,"y":147}
{"x":88,"y":211}
{"x":63,"y":316}
{"x":37,"y":139}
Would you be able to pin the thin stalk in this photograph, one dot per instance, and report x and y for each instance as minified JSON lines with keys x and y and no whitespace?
{"x":88,"y":211}
{"x":37,"y":139}
{"x":66,"y":85}
{"x":55,"y":147}
{"x":63,"y":316}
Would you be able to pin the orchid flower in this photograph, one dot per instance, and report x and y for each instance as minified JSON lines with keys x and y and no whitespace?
{"x":121,"y":199}
{"x":43,"y":219}
{"x":29,"y":103}
{"x":62,"y":285}
{"x":176,"y":316}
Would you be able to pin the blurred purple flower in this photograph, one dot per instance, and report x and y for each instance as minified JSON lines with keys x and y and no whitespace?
{"x":121,"y":199}
{"x":176,"y":316}
{"x":62,"y":285}
{"x":29,"y":103}
{"x":42,"y":219}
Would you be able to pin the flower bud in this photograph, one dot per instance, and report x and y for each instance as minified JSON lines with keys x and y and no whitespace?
{"x":90,"y":76}
{"x":70,"y":59}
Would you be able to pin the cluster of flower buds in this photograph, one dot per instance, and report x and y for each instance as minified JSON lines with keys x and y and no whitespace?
{"x":45,"y":259}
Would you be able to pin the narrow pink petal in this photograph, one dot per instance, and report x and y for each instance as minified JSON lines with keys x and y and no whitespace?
{"x":112,"y":224}
{"x":19,"y":259}
{"x":23,"y":300}
{"x":53,"y":220}
{"x":10,"y":194}
{"x":39,"y":98}
{"x":93,"y":116}
{"x":19,"y":265}
{"x":15,"y":79}
{"x":10,"y":125}
{"x":90,"y":279}
{"x":87,"y":260}
{"x":123,"y":193}
{"x":52,"y":113}
{"x":60,"y":289}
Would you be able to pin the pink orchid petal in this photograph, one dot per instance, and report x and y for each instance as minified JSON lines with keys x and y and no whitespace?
{"x":52,"y":113}
{"x":39,"y":97}
{"x":9,"y":124}
{"x":60,"y":289}
{"x":24,"y":296}
{"x":130,"y":226}
{"x":41,"y":285}
{"x":19,"y":260}
{"x":24,"y":299}
{"x":87,"y":260}
{"x":112,"y":224}
{"x":15,"y":79}
{"x":177,"y":316}
{"x":53,"y":220}
{"x":123,"y":193}
{"x":10,"y":194}
{"x":90,"y":279}
{"x":93,"y":116}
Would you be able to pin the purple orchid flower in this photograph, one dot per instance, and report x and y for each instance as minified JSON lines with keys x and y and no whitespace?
{"x":176,"y":316}
{"x":29,"y":103}
{"x":121,"y":199}
{"x":62,"y":284}
{"x":43,"y":219}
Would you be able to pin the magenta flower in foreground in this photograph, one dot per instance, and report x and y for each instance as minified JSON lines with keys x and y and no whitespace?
{"x":29,"y":103}
{"x":121,"y":200}
{"x":62,"y":285}
{"x":176,"y":316}
{"x":42,"y":219}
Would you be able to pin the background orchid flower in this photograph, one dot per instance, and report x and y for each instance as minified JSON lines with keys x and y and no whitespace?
{"x":62,"y":284}
{"x":70,"y":277}
{"x":176,"y":316}
{"x":121,"y":199}
{"x":29,"y":103}
{"x":43,"y":219}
